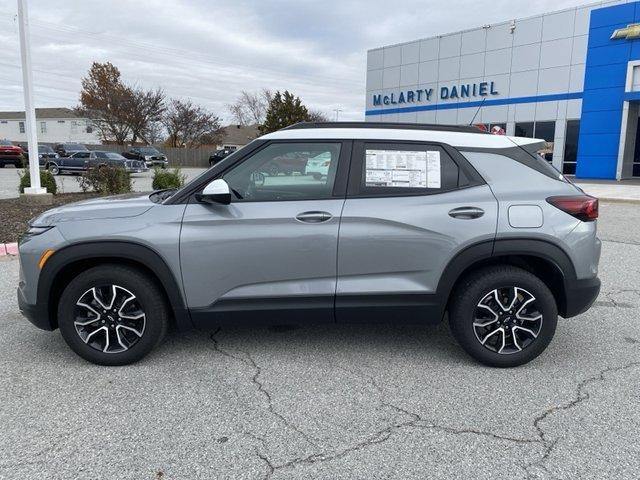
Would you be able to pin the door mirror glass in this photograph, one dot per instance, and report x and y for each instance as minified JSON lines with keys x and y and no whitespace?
{"x":216,"y":191}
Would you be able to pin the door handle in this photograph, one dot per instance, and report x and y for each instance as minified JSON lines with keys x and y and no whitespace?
{"x":466,"y":213}
{"x":313,"y":217}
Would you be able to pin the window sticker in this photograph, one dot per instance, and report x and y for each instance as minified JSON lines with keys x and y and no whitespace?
{"x":402,"y":168}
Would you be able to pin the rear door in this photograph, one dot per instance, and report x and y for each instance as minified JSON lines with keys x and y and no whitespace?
{"x":410,"y":209}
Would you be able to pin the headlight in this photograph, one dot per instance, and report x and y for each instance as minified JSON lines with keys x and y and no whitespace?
{"x":33,"y":230}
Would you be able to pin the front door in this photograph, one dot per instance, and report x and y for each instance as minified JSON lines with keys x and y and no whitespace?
{"x":410,"y":209}
{"x":270,"y":255}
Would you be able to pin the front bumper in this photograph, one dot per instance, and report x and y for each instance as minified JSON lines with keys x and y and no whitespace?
{"x":34,"y":313}
{"x":580,"y":295}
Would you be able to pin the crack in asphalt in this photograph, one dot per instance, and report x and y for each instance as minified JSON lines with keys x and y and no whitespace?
{"x":621,"y":242}
{"x":255,"y":379}
{"x":581,"y":395}
{"x":414,"y":420}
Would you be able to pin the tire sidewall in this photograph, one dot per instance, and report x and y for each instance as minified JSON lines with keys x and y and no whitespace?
{"x":479,"y":286}
{"x":146,"y":293}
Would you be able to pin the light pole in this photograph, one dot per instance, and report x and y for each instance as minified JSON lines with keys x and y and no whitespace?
{"x":29,"y":109}
{"x":337,"y":110}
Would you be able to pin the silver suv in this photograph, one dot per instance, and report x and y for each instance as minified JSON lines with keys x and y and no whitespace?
{"x":407,"y":224}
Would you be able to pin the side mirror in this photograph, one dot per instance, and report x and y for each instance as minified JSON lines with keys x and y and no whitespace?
{"x":217,"y":191}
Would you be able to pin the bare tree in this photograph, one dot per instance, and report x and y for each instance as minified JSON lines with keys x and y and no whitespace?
{"x":147,"y":107}
{"x":106,"y":101}
{"x":251,"y":107}
{"x":189,"y":125}
{"x":118,"y":111}
{"x":154,"y":132}
{"x":316,"y":116}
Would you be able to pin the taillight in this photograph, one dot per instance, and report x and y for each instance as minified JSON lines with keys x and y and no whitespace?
{"x":583,"y":207}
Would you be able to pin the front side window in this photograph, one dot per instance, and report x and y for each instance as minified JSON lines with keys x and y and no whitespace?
{"x":406,"y":169}
{"x":286,"y":171}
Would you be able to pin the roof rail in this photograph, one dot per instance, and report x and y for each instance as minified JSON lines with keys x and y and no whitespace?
{"x":389,"y":125}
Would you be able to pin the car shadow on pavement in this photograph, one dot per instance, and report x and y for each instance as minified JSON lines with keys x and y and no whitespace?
{"x":426,"y":342}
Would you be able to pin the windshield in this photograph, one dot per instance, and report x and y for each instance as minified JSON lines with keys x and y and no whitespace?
{"x":75,"y":146}
{"x":5,"y":142}
{"x":149,"y":151}
{"x":45,"y":149}
{"x":109,"y":155}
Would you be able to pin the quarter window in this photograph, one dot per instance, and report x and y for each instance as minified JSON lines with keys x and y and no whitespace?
{"x":286,"y":171}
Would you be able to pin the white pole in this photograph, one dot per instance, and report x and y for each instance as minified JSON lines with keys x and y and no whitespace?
{"x":29,"y":109}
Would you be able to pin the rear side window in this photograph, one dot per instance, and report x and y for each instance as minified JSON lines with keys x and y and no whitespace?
{"x":393,"y":169}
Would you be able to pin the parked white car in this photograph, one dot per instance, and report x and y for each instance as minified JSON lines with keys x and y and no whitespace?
{"x":318,"y":166}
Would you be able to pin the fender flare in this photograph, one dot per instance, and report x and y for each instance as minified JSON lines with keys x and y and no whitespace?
{"x":114,"y":250}
{"x":479,"y":253}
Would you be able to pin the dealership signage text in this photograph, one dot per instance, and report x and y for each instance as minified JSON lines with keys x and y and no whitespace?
{"x":466,"y":90}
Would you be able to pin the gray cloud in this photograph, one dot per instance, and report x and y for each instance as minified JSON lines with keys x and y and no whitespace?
{"x":210,"y":50}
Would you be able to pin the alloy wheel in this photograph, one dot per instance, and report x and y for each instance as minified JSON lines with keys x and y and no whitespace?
{"x":507,"y":320}
{"x":109,"y":318}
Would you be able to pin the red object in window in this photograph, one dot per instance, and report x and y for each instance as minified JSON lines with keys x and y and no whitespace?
{"x":583,"y":207}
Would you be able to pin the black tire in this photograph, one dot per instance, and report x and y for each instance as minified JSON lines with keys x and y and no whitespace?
{"x":476,"y":288}
{"x":54,"y":169}
{"x":148,"y":297}
{"x":2,"y":165}
{"x":317,"y":176}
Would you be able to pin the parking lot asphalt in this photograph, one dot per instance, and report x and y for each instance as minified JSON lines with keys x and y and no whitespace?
{"x":333,"y":402}
{"x":141,"y":182}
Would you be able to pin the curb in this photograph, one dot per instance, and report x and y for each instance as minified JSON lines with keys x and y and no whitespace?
{"x":8,"y":249}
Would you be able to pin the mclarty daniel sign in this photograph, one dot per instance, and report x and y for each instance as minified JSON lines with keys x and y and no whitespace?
{"x":423,"y":95}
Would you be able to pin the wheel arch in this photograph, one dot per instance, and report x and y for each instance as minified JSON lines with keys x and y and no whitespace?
{"x":546,"y":260}
{"x":66,"y":263}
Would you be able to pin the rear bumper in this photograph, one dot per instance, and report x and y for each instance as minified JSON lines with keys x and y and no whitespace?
{"x":35,"y":314}
{"x":580,"y":295}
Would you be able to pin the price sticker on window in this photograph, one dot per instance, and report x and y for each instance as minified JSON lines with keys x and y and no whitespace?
{"x":402,"y":169}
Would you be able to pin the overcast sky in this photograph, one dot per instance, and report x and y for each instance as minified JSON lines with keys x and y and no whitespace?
{"x":211,"y":50}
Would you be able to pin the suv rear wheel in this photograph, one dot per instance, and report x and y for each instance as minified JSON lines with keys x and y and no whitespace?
{"x":503,"y":316}
{"x":112,"y":315}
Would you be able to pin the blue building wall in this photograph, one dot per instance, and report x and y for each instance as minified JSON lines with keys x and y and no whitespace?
{"x":604,"y":90}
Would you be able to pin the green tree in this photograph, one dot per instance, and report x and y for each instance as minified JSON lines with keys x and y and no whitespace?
{"x":284,"y":109}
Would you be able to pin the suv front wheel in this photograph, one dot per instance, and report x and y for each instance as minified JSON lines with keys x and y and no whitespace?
{"x":503,"y":316}
{"x":112,"y":315}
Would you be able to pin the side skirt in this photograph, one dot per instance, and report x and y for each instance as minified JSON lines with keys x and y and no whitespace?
{"x":359,"y":309}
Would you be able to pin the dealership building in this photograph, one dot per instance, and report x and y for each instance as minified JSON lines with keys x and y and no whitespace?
{"x":570,"y":77}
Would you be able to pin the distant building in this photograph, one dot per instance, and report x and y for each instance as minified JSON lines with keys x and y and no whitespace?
{"x":237,"y":136}
{"x":53,"y":125}
{"x":571,"y":78}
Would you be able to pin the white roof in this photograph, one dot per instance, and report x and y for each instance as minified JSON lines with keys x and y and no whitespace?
{"x":455,"y":139}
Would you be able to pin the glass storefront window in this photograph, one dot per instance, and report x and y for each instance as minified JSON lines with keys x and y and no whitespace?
{"x":571,"y":147}
{"x":546,"y":131}
{"x":524,"y":129}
